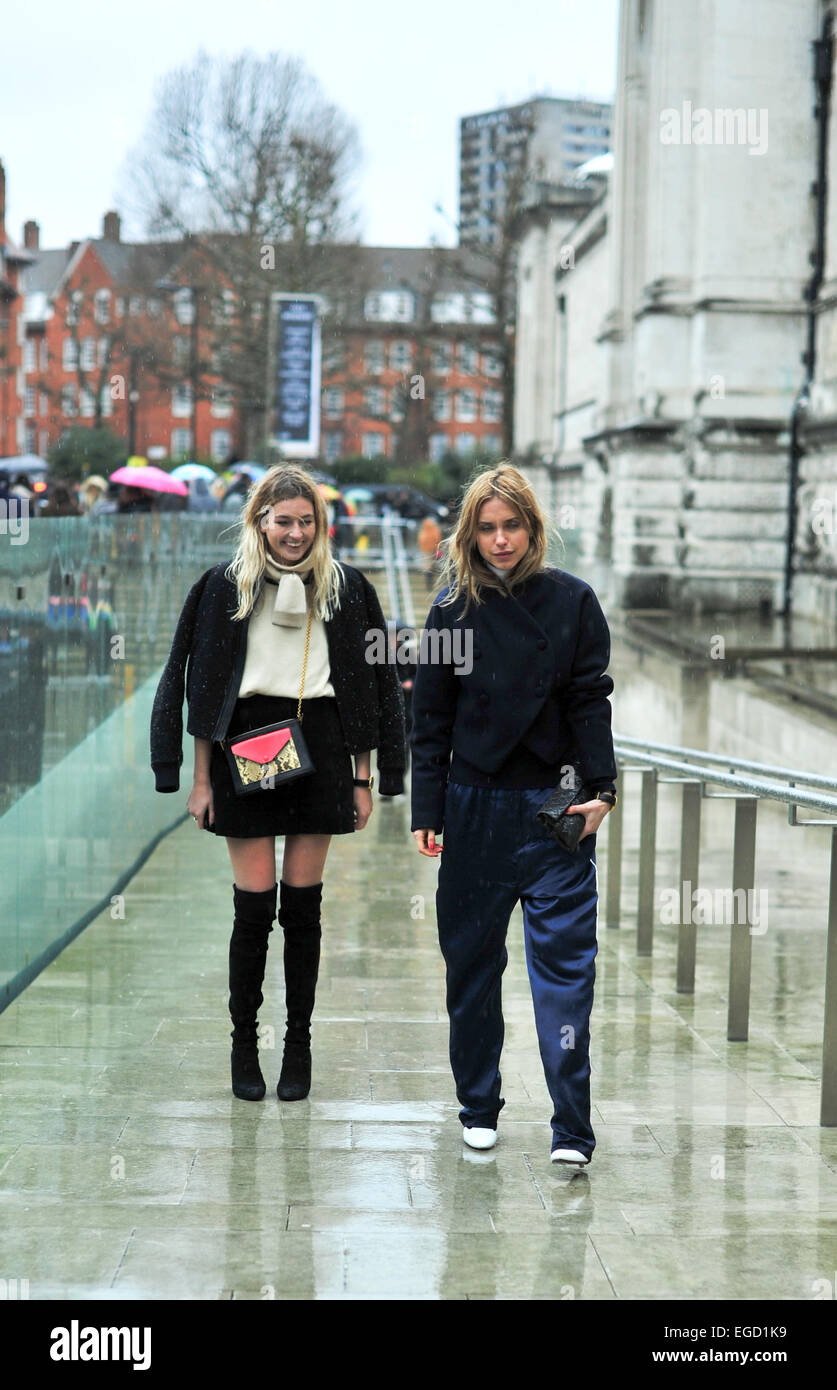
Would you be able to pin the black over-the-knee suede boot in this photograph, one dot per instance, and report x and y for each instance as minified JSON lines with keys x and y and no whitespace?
{"x":299,"y":916}
{"x":254,"y":913}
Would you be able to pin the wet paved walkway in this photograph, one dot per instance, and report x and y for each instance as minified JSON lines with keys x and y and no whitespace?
{"x":128,"y":1170}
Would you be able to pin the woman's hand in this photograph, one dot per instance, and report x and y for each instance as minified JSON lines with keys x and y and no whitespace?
{"x":593,"y":812}
{"x":363,"y":806}
{"x":426,"y":842}
{"x":200,"y":801}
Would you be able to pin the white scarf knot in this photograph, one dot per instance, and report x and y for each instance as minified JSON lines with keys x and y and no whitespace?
{"x":290,"y":606}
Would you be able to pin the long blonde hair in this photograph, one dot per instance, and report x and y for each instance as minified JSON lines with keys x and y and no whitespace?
{"x":464,"y":571}
{"x":247,"y":567}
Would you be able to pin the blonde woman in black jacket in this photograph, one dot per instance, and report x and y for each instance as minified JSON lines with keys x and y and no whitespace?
{"x":243,"y":631}
{"x":495,"y":730}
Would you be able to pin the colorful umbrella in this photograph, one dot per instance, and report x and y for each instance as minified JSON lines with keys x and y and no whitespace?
{"x":154,"y":479}
{"x":253,"y":470}
{"x":187,"y":472}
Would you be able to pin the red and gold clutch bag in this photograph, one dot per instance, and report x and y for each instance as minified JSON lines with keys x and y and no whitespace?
{"x":276,"y":753}
{"x":267,"y":757}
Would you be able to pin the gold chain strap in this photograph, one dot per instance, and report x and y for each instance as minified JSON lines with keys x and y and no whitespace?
{"x":305,"y":662}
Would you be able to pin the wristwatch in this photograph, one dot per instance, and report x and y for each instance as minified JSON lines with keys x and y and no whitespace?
{"x":364,"y":782}
{"x":608,"y":796}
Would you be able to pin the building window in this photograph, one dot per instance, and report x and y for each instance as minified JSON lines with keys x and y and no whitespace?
{"x":68,"y":400}
{"x":184,"y":308}
{"x":492,"y":443}
{"x":29,"y":400}
{"x":466,"y":406}
{"x":69,"y":354}
{"x":222,"y":403}
{"x":222,"y":307}
{"x":88,"y":354}
{"x":374,"y":357}
{"x":334,"y":402}
{"x":375,"y":400}
{"x":389,"y":306}
{"x":401,"y":355}
{"x":74,"y":303}
{"x":103,"y":352}
{"x":492,"y":406}
{"x":181,"y":400}
{"x":43,"y":355}
{"x":106,"y":401}
{"x":439,"y":446}
{"x":333,"y":441}
{"x":479,"y":307}
{"x":397,"y":397}
{"x":44,"y":443}
{"x":492,"y":364}
{"x":441,"y":358}
{"x":467,"y":359}
{"x":101,"y":306}
{"x":334,"y":355}
{"x":180,"y":351}
{"x":88,"y":402}
{"x":29,"y":433}
{"x":135,"y":305}
{"x":448,"y":308}
{"x":220,"y":445}
{"x":181,"y":443}
{"x":465,"y":442}
{"x":43,"y":403}
{"x":30,"y":350}
{"x":441,"y":405}
{"x":153,"y":308}
{"x":373,"y":445}
{"x":119,"y":307}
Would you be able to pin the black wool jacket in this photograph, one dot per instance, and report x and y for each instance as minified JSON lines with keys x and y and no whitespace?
{"x":370,"y":703}
{"x":538,"y":686}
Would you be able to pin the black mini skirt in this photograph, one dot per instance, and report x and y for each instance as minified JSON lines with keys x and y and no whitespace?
{"x":320,"y":803}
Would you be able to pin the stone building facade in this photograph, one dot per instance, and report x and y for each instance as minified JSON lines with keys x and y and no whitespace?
{"x":693,"y":390}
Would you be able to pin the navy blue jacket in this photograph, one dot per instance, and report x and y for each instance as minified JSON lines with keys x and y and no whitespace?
{"x":369,"y":699}
{"x":539,"y":682}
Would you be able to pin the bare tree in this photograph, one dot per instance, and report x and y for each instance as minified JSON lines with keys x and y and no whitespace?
{"x":249,"y":165}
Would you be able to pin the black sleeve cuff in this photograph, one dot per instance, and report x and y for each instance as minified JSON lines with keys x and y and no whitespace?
{"x":167,"y":776}
{"x":390,"y":782}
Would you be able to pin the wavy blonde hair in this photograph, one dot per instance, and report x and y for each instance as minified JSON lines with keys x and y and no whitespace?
{"x":247,"y":567}
{"x":464,"y":571}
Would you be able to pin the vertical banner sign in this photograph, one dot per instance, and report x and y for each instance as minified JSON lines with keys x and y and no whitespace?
{"x":296,"y":413}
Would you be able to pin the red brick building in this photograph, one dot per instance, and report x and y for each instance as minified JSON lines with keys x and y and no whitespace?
{"x":112,"y":338}
{"x":12,"y":261}
{"x":413,"y":334}
{"x":114,"y":334}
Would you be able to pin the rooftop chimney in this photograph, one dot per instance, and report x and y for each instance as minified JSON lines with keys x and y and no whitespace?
{"x":111,"y":225}
{"x":31,"y":236}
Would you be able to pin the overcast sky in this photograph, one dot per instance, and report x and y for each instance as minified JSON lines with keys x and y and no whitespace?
{"x":78,"y":87}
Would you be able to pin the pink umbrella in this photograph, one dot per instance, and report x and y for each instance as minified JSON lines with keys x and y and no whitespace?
{"x":155,"y":479}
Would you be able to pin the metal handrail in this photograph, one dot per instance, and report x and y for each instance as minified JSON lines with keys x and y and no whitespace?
{"x":806,"y":779}
{"x":695,"y":770}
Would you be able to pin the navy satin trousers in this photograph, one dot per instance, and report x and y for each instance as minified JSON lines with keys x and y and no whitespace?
{"x":495,"y":854}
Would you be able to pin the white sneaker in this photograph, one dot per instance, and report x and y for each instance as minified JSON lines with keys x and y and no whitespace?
{"x":479,"y":1138}
{"x":568,"y":1156}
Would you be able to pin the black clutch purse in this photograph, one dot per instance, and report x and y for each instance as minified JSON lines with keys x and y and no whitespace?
{"x":268,"y":757}
{"x":565,"y":830}
{"x":274,"y":754}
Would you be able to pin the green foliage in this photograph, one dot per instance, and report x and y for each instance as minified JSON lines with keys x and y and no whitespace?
{"x":81,"y":451}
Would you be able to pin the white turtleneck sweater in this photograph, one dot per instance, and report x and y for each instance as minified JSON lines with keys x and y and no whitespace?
{"x":273,"y":664}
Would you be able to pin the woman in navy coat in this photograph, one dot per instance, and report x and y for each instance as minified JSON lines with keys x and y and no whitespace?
{"x":511,"y":690}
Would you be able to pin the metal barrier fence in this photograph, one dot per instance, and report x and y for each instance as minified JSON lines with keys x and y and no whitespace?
{"x":747,"y":783}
